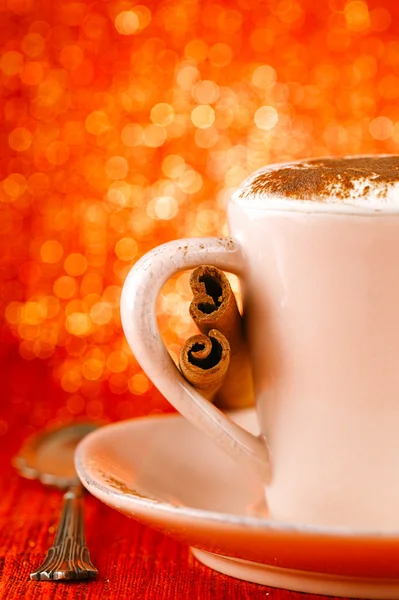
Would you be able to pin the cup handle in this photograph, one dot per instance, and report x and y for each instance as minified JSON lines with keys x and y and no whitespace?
{"x":139,"y":296}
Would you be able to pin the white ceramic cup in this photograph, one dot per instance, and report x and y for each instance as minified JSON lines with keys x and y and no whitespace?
{"x":320,"y":277}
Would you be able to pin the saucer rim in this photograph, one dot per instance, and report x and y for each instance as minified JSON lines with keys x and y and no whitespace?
{"x":200,"y":514}
{"x":300,"y":580}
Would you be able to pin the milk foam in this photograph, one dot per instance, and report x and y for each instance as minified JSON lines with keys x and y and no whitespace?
{"x":365,"y":184}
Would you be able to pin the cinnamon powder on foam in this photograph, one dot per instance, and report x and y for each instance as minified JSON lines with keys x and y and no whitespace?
{"x":317,"y":180}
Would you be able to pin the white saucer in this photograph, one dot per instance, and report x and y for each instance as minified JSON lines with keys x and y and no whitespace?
{"x":167,"y":474}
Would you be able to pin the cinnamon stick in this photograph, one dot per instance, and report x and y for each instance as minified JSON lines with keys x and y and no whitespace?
{"x":214,"y":309}
{"x":204,"y":361}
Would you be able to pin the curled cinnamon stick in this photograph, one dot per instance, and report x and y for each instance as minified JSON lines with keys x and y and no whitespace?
{"x":204,"y":361}
{"x":214,"y":307}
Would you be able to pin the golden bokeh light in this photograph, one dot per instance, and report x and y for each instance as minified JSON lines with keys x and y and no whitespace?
{"x":266,"y":117}
{"x":127,"y":22}
{"x":205,"y":92}
{"x":51,"y":251}
{"x":162,"y":114}
{"x":11,"y":62}
{"x":78,"y":323}
{"x":20,"y":139}
{"x":203,"y":116}
{"x":139,"y":384}
{"x":97,"y":122}
{"x":116,"y":167}
{"x":357,"y":15}
{"x":173,"y":166}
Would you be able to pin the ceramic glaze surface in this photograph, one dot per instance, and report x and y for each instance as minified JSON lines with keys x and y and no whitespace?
{"x":322,"y":305}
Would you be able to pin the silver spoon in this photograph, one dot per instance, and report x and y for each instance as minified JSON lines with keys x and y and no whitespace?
{"x":49,"y":457}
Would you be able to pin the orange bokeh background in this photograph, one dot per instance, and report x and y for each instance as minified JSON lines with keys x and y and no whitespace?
{"x":125,"y":125}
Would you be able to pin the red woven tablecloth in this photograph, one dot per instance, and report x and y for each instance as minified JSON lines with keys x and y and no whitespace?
{"x":133,"y":560}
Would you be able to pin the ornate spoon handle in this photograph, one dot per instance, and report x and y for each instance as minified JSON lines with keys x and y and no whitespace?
{"x":69,"y":557}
